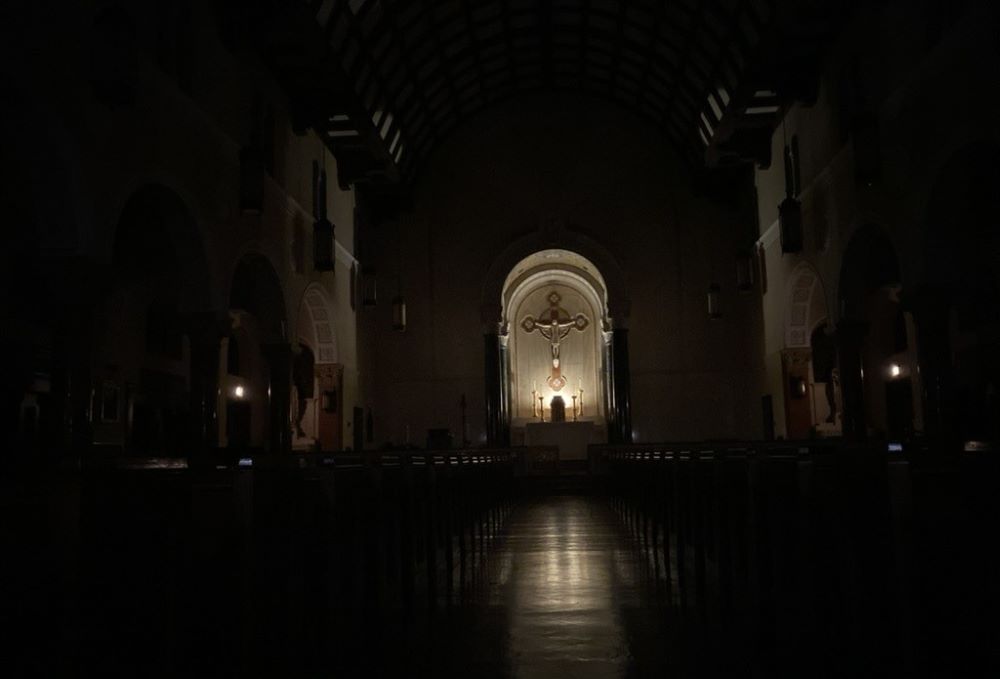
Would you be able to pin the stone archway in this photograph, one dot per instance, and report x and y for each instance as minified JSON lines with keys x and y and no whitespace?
{"x":561,"y":286}
{"x":317,"y":376}
{"x":152,"y":391}
{"x":587,"y":266}
{"x":874,"y":336}
{"x":810,"y":395}
{"x":257,"y":398}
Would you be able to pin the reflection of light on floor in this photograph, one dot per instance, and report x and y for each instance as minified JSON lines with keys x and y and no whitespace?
{"x":564,"y":608}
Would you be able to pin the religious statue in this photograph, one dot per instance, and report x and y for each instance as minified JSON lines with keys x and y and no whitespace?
{"x":554,"y":324}
{"x":835,"y":396}
{"x":303,"y":367}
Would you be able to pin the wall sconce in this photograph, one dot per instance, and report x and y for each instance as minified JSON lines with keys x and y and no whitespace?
{"x":714,"y":309}
{"x":399,"y":313}
{"x":238,"y":391}
{"x":895,"y":370}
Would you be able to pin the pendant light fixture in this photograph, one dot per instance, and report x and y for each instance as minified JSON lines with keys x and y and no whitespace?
{"x":790,"y":210}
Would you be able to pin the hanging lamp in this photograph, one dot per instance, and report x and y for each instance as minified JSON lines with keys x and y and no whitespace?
{"x":324,"y":244}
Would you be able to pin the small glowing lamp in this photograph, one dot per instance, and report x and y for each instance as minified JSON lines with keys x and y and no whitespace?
{"x":895,"y":370}
{"x":239,"y":392}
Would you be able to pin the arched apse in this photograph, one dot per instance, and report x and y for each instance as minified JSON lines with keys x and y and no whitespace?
{"x":256,"y":404}
{"x":809,"y":386}
{"x":557,"y":238}
{"x":563,"y":286}
{"x":958,"y":303}
{"x":317,"y":375}
{"x":556,"y":347}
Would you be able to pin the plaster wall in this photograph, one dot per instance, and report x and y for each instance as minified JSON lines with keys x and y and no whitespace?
{"x":184,"y":138}
{"x":909,"y":83}
{"x":581,"y":165}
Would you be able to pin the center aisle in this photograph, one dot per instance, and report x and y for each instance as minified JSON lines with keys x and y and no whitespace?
{"x":579,"y":604}
{"x":562,"y":593}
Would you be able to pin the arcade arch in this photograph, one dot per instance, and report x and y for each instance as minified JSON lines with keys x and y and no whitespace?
{"x":807,"y":361}
{"x":256,"y":398}
{"x":317,"y":376}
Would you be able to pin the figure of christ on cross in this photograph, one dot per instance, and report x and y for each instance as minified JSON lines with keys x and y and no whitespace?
{"x":554,"y":324}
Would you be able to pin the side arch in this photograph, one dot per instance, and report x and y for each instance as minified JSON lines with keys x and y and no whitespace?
{"x":315,"y":324}
{"x":806,"y":307}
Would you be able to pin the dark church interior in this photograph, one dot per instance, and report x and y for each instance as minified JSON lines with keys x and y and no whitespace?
{"x":500,"y":338}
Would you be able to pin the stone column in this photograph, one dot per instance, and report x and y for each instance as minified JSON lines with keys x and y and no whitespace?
{"x":622,"y":386}
{"x":494,"y":392}
{"x":206,"y":333}
{"x":70,"y":430}
{"x":279,"y":359}
{"x":850,"y":338}
{"x":504,"y":389}
{"x":607,"y":383}
{"x":931,"y":317}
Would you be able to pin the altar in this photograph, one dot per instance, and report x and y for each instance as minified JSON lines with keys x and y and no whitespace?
{"x":572,"y":438}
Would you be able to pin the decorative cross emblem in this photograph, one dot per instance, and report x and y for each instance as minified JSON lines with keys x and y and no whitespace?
{"x":554,"y":324}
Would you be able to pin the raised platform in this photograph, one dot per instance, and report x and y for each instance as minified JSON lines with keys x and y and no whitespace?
{"x":571,"y":438}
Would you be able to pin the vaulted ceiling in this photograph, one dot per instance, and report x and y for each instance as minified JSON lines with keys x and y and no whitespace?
{"x":387,"y":81}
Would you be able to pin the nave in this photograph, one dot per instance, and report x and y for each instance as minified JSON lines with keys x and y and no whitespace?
{"x":687,"y":561}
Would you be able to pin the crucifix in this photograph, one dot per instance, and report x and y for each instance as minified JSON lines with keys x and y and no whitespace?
{"x":554,"y":324}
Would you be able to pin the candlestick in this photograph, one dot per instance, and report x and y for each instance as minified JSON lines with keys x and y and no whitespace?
{"x":534,"y":409}
{"x":541,"y":408}
{"x":581,"y":403}
{"x":574,"y":407}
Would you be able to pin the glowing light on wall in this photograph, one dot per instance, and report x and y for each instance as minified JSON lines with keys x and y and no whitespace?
{"x":239,"y":391}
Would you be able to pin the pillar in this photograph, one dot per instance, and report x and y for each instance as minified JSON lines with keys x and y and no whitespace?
{"x":493,"y":381}
{"x":850,"y":337}
{"x":69,"y":430}
{"x":621,"y":386}
{"x":206,"y":333}
{"x":279,"y":360}
{"x":931,"y":317}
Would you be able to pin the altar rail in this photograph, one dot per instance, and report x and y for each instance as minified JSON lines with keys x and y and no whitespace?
{"x":252,"y":565}
{"x":834,"y":555}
